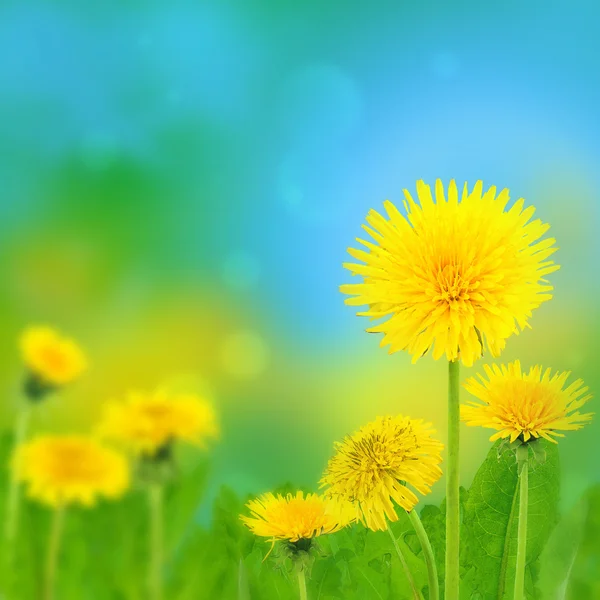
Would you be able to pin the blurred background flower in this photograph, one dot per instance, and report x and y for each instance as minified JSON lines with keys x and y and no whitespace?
{"x":181,"y":181}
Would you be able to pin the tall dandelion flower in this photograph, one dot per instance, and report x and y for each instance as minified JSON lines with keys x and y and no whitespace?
{"x":146,"y":422}
{"x":149,"y":425}
{"x":71,"y":469}
{"x":376,"y":469}
{"x":296,"y":519}
{"x":454,"y":277}
{"x":51,"y":361}
{"x":61,"y":471}
{"x":524,"y":407}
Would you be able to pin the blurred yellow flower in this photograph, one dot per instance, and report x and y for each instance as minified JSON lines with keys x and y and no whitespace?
{"x":454,"y":276}
{"x":373,"y":466}
{"x":295,"y":518}
{"x":70,"y":469}
{"x":51,"y":358}
{"x":530,"y":405}
{"x":145,"y":422}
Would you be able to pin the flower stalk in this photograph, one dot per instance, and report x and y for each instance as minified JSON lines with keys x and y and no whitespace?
{"x":523,"y":462}
{"x":452,"y":485}
{"x":432,"y":575}
{"x":411,"y":580}
{"x":155,"y":498}
{"x":302,"y":582}
{"x":56,"y":529}
{"x":11,"y":523}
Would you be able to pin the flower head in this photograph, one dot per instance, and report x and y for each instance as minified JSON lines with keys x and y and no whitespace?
{"x":295,"y":518}
{"x":145,"y":422}
{"x":531,"y":405}
{"x":454,"y":276}
{"x":71,"y":469}
{"x":374,"y":466}
{"x":52,"y":359}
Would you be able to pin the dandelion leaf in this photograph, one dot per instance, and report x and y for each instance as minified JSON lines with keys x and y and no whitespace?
{"x":570,"y":563}
{"x":491,"y":521}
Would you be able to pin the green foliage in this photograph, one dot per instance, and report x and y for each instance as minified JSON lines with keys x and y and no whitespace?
{"x":434,"y":522}
{"x":105,"y":550}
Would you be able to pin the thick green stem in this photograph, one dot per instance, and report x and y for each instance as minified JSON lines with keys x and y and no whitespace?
{"x":404,"y":564}
{"x":302,"y":584}
{"x":56,"y":528}
{"x":452,"y":489}
{"x":434,"y":591}
{"x":13,"y":500}
{"x":155,"y":497}
{"x":522,"y":533}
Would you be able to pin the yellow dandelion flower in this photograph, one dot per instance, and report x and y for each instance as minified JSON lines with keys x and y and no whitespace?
{"x":52,"y":359}
{"x":531,"y":405}
{"x":455,"y":275}
{"x":145,"y":422}
{"x":295,"y":518}
{"x":70,"y":469}
{"x":375,"y":465}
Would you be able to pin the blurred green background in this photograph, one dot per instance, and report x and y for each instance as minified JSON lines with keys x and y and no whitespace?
{"x":180,"y":181}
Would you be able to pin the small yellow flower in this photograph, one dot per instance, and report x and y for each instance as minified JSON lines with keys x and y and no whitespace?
{"x":455,"y":276}
{"x":374,"y":466}
{"x":145,"y":422}
{"x":70,"y":469}
{"x":294,"y":518}
{"x":530,"y":405}
{"x":51,"y":358}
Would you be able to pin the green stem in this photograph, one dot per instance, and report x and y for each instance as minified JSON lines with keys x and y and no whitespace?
{"x":522,"y":533}
{"x":404,"y":564}
{"x":452,"y":489}
{"x":302,"y":584}
{"x":243,"y":591}
{"x":434,"y":591}
{"x":155,"y":497}
{"x":11,"y":522}
{"x":507,"y":540}
{"x":56,"y":528}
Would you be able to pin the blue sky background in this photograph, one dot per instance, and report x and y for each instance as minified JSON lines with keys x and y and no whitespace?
{"x":180,"y":181}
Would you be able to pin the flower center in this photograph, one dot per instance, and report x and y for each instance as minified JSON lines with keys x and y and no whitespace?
{"x":70,"y":464}
{"x":54,"y":358}
{"x":452,"y":287}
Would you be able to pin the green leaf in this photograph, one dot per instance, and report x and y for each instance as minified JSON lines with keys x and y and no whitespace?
{"x":357,"y":555}
{"x":570,"y":563}
{"x":410,"y":547}
{"x":368,"y":565}
{"x":325,"y":581}
{"x":491,"y":520}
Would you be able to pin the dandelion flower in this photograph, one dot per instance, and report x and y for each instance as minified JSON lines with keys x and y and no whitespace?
{"x":531,"y":405}
{"x":455,"y":276}
{"x":146,"y":422}
{"x":53,"y":360}
{"x":374,"y":466}
{"x":71,"y":469}
{"x":295,"y":518}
